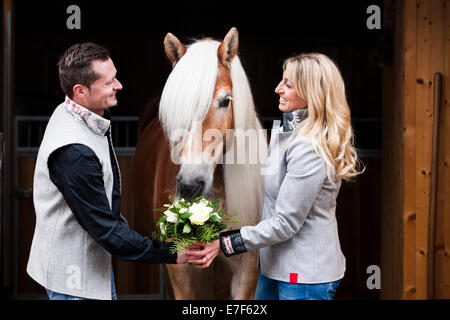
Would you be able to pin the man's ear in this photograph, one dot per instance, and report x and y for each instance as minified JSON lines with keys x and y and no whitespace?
{"x":79,"y":90}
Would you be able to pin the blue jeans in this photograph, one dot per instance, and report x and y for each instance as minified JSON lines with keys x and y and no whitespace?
{"x":268,"y":289}
{"x":60,"y":296}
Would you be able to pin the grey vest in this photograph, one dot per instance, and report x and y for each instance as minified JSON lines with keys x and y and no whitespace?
{"x":64,"y":257}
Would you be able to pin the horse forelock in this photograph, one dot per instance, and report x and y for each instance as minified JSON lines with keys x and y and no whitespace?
{"x":189,"y":89}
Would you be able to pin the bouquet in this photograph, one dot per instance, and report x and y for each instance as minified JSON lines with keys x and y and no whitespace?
{"x":185,"y":223}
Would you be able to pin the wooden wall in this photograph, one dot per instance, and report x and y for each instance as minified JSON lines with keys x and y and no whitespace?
{"x":421,"y":48}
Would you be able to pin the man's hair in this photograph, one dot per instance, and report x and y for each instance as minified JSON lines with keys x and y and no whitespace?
{"x":75,"y":65}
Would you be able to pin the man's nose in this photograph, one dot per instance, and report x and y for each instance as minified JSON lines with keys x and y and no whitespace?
{"x":118,"y":85}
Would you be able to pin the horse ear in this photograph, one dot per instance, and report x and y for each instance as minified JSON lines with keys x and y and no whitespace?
{"x":229,"y":46}
{"x":174,"y":48}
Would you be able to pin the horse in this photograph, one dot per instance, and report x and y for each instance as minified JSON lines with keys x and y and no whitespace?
{"x":207,"y":98}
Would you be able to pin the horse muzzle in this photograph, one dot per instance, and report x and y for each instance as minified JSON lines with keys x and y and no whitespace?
{"x":192,"y":182}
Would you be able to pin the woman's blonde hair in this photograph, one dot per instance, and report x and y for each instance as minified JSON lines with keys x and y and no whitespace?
{"x":326,"y":122}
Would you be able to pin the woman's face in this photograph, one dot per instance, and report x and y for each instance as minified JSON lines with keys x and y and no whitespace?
{"x":289,"y":99}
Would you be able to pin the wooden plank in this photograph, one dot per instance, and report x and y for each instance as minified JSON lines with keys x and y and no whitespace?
{"x":392,"y":203}
{"x":409,"y":149}
{"x":438,"y":58}
{"x":429,"y":60}
{"x":423,"y":145}
{"x":442,"y":277}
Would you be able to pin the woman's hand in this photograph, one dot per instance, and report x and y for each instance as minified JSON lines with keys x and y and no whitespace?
{"x":204,"y":258}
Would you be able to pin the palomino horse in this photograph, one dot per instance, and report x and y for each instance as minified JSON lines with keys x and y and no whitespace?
{"x":206,"y":95}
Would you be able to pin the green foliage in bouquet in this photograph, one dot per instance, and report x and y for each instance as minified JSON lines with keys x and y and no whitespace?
{"x":185,"y":223}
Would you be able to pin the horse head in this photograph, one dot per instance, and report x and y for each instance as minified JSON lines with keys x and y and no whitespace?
{"x":207,"y":114}
{"x":196,"y":109}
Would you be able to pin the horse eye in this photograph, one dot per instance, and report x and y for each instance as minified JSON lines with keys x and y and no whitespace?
{"x":224,"y":103}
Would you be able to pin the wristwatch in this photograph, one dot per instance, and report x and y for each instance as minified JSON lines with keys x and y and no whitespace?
{"x":231,"y":242}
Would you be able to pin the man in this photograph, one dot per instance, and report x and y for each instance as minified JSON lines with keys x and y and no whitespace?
{"x":77,"y":188}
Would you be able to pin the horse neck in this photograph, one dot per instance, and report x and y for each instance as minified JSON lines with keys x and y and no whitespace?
{"x":244,"y":189}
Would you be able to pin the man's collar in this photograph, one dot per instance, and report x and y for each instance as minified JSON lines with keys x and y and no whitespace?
{"x":97,"y":124}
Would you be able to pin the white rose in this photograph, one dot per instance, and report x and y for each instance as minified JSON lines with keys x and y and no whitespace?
{"x":177,"y":204}
{"x":162,"y":226}
{"x":200,"y":213}
{"x":171,"y":216}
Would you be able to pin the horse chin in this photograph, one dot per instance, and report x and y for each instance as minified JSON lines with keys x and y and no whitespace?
{"x":189,"y":195}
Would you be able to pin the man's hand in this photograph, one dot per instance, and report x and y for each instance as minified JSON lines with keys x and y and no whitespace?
{"x":186,"y":256}
{"x":203,"y":258}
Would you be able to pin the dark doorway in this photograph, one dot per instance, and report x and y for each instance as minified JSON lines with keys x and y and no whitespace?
{"x":134,"y":31}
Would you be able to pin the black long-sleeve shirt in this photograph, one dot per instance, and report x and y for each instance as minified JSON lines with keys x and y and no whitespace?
{"x":77,"y":173}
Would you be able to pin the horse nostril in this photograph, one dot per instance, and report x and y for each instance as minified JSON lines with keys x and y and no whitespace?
{"x":200,"y":182}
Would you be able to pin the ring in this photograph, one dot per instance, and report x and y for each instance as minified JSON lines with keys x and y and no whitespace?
{"x":207,"y":258}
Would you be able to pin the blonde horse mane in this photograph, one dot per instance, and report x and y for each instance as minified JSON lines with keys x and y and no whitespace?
{"x":243,"y":182}
{"x":186,"y":98}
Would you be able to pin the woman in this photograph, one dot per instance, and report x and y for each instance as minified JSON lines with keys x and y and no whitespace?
{"x":299,"y":252}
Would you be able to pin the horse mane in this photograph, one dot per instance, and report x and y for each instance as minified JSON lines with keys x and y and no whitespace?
{"x":186,"y":98}
{"x":239,"y":178}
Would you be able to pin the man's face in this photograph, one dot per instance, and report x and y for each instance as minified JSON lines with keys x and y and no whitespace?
{"x":102,"y":92}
